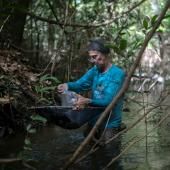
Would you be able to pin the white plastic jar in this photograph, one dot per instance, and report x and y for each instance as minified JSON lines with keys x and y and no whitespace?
{"x":68,"y":98}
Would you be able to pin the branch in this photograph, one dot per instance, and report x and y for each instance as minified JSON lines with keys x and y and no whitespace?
{"x":121,"y":92}
{"x":127,"y":129}
{"x":52,"y":9}
{"x":83,"y":25}
{"x":13,"y":160}
{"x":119,"y":134}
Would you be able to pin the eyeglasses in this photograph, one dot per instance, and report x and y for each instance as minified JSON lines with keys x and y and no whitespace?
{"x":95,"y":58}
{"x":92,"y":58}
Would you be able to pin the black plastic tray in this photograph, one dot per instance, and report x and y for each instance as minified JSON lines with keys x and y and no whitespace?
{"x":66,"y":117}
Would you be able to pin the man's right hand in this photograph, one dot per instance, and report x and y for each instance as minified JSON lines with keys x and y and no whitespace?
{"x":62,"y":87}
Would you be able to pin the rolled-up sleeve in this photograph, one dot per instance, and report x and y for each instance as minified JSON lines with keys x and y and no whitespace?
{"x":84,"y":83}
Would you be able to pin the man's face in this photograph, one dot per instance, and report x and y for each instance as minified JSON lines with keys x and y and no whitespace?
{"x":97,"y":58}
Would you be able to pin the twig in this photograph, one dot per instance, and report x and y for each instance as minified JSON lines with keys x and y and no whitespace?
{"x":28,"y":166}
{"x":4,"y":23}
{"x":52,"y":9}
{"x":10,"y":160}
{"x":121,"y":92}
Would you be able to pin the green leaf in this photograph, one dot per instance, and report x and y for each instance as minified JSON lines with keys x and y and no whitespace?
{"x":27,"y":141}
{"x":39,"y":118}
{"x":160,"y":30}
{"x":54,"y":79}
{"x":44,"y":77}
{"x":44,"y":100}
{"x":153,"y":19}
{"x":145,"y":23}
{"x":114,"y":47}
{"x":28,"y":127}
{"x":40,"y":89}
{"x":27,"y":148}
{"x":37,"y":89}
{"x":33,"y":130}
{"x":1,"y":77}
{"x":46,"y":89}
{"x":48,"y":77}
{"x":123,"y":44}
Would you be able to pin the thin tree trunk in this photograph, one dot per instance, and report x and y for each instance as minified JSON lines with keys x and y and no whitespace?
{"x":13,"y":29}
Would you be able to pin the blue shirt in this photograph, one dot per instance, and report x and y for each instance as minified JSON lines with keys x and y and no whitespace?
{"x":104,"y":87}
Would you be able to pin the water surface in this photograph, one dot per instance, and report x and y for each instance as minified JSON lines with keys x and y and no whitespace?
{"x":51,"y":145}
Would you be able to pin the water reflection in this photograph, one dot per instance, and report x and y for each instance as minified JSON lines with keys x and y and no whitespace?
{"x":11,"y":145}
{"x":108,"y":152}
{"x":99,"y":159}
{"x":52,"y":146}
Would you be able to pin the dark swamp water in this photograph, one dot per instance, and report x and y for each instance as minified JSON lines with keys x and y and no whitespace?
{"x":52,"y":145}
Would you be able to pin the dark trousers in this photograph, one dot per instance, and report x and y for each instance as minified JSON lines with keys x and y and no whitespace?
{"x":104,"y":134}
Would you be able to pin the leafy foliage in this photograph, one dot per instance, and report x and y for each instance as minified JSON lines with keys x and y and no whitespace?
{"x":124,"y":32}
{"x":46,"y":88}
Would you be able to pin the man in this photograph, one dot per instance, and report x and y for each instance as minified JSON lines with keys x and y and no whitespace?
{"x":104,"y":80}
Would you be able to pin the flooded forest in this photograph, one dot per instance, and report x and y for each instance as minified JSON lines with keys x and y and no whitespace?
{"x":44,"y":44}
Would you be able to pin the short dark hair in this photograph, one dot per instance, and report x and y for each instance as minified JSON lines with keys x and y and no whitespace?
{"x":98,"y":45}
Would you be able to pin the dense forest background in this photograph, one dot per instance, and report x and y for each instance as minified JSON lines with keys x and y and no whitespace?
{"x":43,"y":43}
{"x":52,"y":35}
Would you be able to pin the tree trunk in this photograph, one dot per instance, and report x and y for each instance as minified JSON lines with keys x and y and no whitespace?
{"x":12,"y":21}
